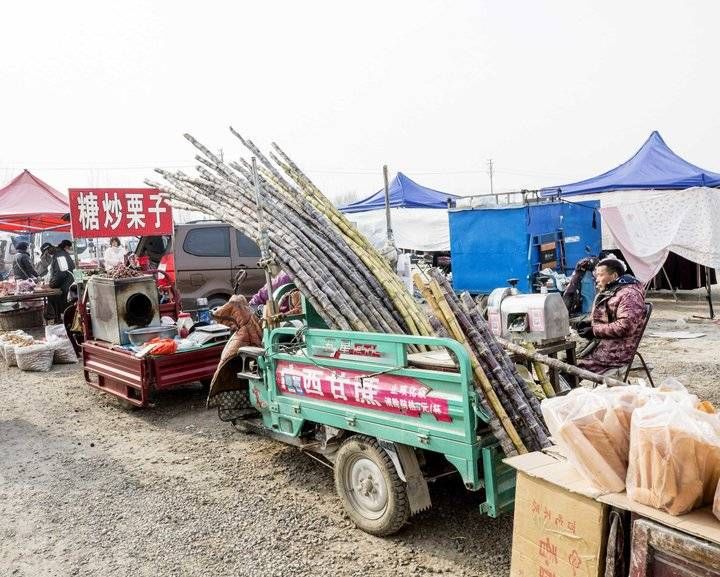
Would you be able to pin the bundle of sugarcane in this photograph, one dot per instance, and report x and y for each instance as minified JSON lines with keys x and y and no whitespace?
{"x":342,"y":275}
{"x":505,"y":391}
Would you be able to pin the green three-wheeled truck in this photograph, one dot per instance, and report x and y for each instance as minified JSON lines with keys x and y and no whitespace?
{"x":387,"y":419}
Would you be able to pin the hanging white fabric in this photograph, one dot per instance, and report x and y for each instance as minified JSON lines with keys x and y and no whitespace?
{"x":685,"y":222}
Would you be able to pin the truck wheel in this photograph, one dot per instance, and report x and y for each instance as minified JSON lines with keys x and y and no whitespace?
{"x":372,"y":493}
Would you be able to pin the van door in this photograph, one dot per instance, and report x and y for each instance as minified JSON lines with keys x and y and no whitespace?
{"x":246,"y":257}
{"x":203,"y":263}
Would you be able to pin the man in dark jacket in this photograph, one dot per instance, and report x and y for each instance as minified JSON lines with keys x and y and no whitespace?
{"x":22,"y":264}
{"x":617,"y":318}
{"x":61,"y":277}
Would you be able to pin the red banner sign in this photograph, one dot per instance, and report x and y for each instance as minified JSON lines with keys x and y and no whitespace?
{"x":384,"y":392}
{"x":105,"y":212}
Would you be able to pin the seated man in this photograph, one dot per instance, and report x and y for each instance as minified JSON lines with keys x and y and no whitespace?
{"x":617,"y":318}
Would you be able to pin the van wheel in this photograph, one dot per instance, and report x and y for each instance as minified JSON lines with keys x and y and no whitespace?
{"x":372,"y":493}
{"x":217,"y":301}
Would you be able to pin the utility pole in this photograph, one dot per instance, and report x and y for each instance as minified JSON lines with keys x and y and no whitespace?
{"x":490,"y":173}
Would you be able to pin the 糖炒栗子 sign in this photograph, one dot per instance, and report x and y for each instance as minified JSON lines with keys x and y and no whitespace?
{"x":106,"y":212}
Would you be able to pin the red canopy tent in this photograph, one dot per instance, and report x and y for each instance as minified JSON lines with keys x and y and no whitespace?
{"x":27,"y":204}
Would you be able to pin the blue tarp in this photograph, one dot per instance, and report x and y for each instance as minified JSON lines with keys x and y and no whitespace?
{"x":404,"y":193}
{"x":654,"y":166}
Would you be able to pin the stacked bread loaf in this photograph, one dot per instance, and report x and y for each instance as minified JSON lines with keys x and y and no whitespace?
{"x":663,"y":444}
{"x":674,"y":456}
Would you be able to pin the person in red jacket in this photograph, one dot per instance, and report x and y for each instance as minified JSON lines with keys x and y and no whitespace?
{"x":617,"y":318}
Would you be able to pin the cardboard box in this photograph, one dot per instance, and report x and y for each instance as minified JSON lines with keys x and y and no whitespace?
{"x":559,"y":528}
{"x":560,"y":519}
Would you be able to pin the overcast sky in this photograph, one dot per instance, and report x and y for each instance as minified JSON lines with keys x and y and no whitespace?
{"x":98,"y":93}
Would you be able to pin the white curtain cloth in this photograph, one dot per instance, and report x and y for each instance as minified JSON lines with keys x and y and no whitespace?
{"x":686,"y":222}
{"x":425,"y":229}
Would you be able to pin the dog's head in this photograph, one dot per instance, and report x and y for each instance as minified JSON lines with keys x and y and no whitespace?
{"x":234,"y":313}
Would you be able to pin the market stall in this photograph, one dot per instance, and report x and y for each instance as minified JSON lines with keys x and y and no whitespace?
{"x":28,"y":206}
{"x":136,"y":341}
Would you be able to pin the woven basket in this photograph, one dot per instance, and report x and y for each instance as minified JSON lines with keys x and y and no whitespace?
{"x":21,"y":319}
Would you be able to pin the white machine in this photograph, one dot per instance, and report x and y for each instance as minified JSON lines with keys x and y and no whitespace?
{"x":540,"y":319}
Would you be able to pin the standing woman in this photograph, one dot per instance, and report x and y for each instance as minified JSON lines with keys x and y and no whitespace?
{"x":115,"y":254}
{"x":61,"y":277}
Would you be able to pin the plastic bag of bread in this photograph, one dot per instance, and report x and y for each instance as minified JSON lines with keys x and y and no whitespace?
{"x":716,"y":502}
{"x":586,"y":425}
{"x":674,"y":456}
{"x":556,"y":410}
{"x":624,"y":401}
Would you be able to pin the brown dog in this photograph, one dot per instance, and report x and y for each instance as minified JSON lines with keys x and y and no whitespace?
{"x":238,"y":316}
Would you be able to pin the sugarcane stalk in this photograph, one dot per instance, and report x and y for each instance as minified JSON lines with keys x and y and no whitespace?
{"x":363,"y":324}
{"x":408,"y":318}
{"x":560,"y":365}
{"x":515,"y":401}
{"x":445,"y":315}
{"x":540,"y":372}
{"x":499,"y":354}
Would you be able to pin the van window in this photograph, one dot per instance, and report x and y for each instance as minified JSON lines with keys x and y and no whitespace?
{"x":208,"y":241}
{"x":246,"y":246}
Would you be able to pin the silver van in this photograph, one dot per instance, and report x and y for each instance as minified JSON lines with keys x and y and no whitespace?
{"x":208,"y":257}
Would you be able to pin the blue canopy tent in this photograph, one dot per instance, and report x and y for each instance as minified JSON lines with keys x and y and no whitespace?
{"x":419,"y":216}
{"x":653,"y":167}
{"x":404,"y":193}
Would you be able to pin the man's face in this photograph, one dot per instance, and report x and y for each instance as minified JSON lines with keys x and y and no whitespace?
{"x":604,"y":277}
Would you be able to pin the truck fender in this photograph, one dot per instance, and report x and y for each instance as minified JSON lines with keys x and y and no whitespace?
{"x":408,"y":469}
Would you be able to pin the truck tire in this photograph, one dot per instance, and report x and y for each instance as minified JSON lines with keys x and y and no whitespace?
{"x":372,"y":493}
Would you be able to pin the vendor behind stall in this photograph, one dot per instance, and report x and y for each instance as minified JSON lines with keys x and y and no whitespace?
{"x":22,"y":264}
{"x":114,"y":254}
{"x":61,"y":277}
{"x":617,"y":319}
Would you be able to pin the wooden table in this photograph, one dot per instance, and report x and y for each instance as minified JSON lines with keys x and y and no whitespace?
{"x":38,"y":294}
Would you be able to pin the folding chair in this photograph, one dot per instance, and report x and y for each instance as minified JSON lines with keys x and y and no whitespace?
{"x":636,"y":353}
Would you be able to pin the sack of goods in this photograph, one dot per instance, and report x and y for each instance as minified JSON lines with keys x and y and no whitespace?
{"x":64,"y":353}
{"x":674,"y":456}
{"x":35,"y":357}
{"x":8,"y":343}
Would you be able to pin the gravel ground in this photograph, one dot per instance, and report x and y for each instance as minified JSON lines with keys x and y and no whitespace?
{"x":90,"y":488}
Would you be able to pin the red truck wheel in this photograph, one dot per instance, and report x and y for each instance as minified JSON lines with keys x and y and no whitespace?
{"x":372,"y":493}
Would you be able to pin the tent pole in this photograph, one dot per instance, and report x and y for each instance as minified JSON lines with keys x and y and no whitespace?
{"x":708,"y":286}
{"x":387,"y":204}
{"x":672,"y":288}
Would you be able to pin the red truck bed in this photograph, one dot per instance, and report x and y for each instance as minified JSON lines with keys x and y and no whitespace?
{"x":117,"y":371}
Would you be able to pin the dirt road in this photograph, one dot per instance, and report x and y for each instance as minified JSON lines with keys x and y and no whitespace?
{"x":89,"y":488}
